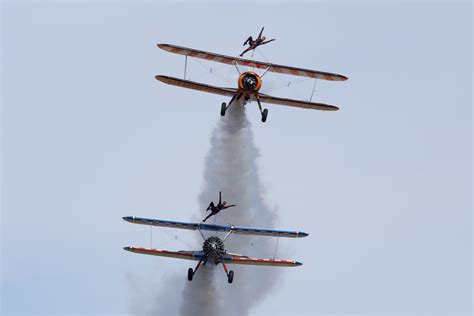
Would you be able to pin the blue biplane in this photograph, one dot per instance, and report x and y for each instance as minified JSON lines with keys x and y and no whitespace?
{"x":213,"y":249}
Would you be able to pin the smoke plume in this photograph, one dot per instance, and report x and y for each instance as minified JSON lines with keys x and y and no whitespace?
{"x":230,"y":167}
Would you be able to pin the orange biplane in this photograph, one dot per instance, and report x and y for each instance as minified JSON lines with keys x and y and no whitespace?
{"x":249,"y":83}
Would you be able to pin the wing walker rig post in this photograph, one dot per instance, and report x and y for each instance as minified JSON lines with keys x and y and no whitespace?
{"x":249,"y":82}
{"x":213,"y":248}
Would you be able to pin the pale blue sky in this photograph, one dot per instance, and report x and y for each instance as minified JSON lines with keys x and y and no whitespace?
{"x":383,"y":186}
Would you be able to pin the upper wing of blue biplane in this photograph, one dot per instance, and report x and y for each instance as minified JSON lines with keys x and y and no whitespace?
{"x":218,"y":228}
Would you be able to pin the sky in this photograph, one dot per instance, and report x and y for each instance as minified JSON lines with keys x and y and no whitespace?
{"x":383,"y":186}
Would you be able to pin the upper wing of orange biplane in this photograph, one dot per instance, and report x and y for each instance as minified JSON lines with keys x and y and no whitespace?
{"x":250,"y":63}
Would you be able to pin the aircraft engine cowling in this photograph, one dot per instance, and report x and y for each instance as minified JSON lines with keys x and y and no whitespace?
{"x":213,"y":247}
{"x":250,"y":82}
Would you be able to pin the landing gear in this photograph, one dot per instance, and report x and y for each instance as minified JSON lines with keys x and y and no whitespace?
{"x":264,"y":115}
{"x":223,"y":108}
{"x":264,"y":112}
{"x":190,"y":274}
{"x":230,"y":276}
{"x":191,"y":271}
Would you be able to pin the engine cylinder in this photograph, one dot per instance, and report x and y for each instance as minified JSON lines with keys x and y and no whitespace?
{"x":213,"y":247}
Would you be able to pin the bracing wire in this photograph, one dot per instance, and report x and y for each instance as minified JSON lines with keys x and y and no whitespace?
{"x":179,"y":239}
{"x":264,"y":57}
{"x":314,"y":88}
{"x":287,"y":84}
{"x":213,"y":70}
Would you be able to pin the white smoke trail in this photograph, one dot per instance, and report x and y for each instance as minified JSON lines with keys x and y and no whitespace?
{"x":231,"y":167}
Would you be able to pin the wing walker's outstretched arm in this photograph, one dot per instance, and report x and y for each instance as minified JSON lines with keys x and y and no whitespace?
{"x":267,"y":41}
{"x":220,"y":197}
{"x":260,"y":35}
{"x":229,"y":206}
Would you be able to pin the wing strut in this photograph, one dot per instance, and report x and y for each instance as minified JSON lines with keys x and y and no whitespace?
{"x":229,"y":233}
{"x":236,"y":64}
{"x":185,"y":64}
{"x":276,"y":248}
{"x":151,"y":237}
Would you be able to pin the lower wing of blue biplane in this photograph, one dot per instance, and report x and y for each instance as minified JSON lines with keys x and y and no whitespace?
{"x":224,"y":257}
{"x":228,"y":258}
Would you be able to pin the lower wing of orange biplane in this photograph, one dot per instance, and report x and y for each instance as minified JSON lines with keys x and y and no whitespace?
{"x":234,"y":93}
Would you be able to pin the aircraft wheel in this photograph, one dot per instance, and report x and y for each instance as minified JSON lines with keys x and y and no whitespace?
{"x":264,"y":115}
{"x":230,"y":276}
{"x":190,"y":274}
{"x":223,"y":108}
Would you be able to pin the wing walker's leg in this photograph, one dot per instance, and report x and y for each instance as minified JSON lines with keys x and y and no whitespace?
{"x":264,"y":112}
